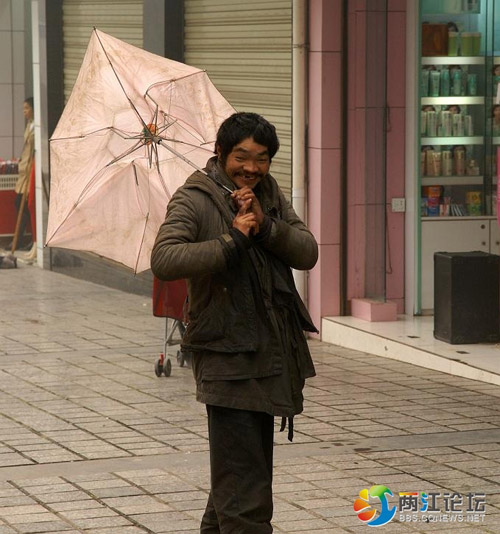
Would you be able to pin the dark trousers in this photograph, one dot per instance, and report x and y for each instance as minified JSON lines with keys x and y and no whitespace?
{"x":24,"y":219}
{"x":241,"y":465}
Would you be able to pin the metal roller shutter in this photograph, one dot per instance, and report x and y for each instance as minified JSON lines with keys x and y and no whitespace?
{"x":121,"y":18}
{"x":246,"y":48}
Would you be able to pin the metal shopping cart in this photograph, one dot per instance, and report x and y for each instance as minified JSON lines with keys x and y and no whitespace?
{"x":169,"y":301}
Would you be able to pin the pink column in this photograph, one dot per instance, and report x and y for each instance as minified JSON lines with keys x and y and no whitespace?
{"x":356,"y":150}
{"x":362,"y":202}
{"x":396,"y":90}
{"x":324,"y":153}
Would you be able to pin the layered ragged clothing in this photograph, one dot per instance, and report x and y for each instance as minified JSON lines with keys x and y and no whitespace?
{"x":246,"y":319}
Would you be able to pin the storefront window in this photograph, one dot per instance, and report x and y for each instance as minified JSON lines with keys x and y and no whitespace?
{"x":459,"y":71}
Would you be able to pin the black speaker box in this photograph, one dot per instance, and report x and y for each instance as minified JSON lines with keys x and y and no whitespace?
{"x":466,"y":297}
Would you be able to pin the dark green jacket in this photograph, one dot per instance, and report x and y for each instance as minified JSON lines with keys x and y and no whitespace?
{"x":232,"y":308}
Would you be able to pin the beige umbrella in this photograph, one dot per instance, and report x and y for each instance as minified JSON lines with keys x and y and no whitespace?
{"x":135,"y":127}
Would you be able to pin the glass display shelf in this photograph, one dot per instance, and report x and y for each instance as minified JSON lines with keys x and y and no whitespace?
{"x":450,"y":100}
{"x":451,"y":8}
{"x":452,"y":180}
{"x":461,"y":217}
{"x":454,"y":60}
{"x":475,"y":140}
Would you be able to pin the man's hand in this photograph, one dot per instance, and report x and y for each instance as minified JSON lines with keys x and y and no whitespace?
{"x":245,"y":194}
{"x":245,"y":220}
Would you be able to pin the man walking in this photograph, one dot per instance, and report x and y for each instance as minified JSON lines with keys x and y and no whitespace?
{"x":232,"y":234}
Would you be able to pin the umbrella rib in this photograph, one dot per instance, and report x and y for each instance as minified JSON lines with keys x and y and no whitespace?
{"x":175,"y":120}
{"x":183,"y":143}
{"x":145,"y":224}
{"x":88,"y":186}
{"x":157,"y":161}
{"x":96,"y":175}
{"x":126,"y":153}
{"x":142,"y":242}
{"x":121,"y":133}
{"x":119,"y":81}
{"x":178,"y":154}
{"x":172,"y":80}
{"x":166,"y":127}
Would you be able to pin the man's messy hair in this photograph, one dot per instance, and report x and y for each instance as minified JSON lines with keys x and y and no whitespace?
{"x":240,"y":126}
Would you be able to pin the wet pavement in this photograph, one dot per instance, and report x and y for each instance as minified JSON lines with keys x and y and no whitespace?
{"x":92,"y":441}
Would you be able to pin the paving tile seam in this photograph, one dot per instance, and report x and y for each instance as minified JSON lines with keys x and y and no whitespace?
{"x":441,"y":484}
{"x":32,"y":430}
{"x":432,"y":381}
{"x":123,"y":403}
{"x":154,"y":397}
{"x":386,"y":422}
{"x":47,"y":506}
{"x":282,"y":451}
{"x":96,"y":498}
{"x":48,"y":438}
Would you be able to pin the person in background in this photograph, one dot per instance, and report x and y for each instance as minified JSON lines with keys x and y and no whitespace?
{"x":495,"y":114}
{"x":23,"y":181}
{"x":234,"y":236}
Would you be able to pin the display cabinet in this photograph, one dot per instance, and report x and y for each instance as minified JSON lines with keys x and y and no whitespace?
{"x":457,"y":124}
{"x":459,"y":71}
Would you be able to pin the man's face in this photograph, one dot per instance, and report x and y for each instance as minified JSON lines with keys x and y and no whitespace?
{"x":247,"y":163}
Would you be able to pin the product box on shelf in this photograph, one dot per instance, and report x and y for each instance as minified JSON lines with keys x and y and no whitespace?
{"x":434,"y":39}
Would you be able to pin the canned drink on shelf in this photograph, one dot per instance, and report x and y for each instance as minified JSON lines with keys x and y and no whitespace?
{"x":446,"y":123}
{"x":431,"y":123}
{"x":468,"y":125}
{"x":446,"y":163}
{"x":458,"y":125}
{"x":472,"y":84}
{"x":459,"y":161}
{"x":423,"y":122}
{"x":456,"y":83}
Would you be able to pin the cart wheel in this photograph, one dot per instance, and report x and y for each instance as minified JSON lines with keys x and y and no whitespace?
{"x":180,"y":358}
{"x":167,"y":368}
{"x":158,"y":367}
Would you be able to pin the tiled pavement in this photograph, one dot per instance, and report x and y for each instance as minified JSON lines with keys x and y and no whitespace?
{"x":91,"y":441}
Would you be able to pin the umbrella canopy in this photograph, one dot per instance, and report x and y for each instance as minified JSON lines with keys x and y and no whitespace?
{"x":135,"y":127}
